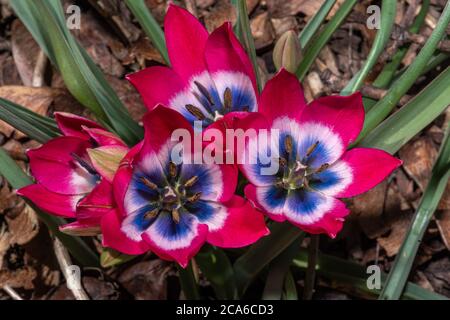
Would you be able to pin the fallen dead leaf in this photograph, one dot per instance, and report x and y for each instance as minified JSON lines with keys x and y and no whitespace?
{"x":262,"y":30}
{"x":146,"y":280}
{"x":418,"y":159}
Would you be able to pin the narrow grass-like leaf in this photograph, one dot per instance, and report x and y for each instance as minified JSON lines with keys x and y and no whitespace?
{"x":260,"y":254}
{"x":355,"y":276}
{"x":398,"y":276}
{"x":46,"y":22}
{"x":188,"y":282}
{"x":217,"y":268}
{"x":313,"y":49}
{"x":150,"y":26}
{"x":18,"y":179}
{"x":315,"y":22}
{"x":290,"y":289}
{"x":278,"y":270}
{"x":400,"y":127}
{"x":388,"y":11}
{"x":382,"y":109}
{"x":37,"y":127}
{"x":246,"y":36}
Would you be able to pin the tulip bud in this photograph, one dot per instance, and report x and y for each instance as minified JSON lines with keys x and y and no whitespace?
{"x":110,"y":257}
{"x":287,"y":52}
{"x":106,"y":159}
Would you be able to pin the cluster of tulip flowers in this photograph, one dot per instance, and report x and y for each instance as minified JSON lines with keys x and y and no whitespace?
{"x":140,"y":200}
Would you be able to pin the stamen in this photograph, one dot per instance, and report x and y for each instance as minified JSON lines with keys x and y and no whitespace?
{"x":196,"y":112}
{"x":288,"y":144}
{"x":312,"y":148}
{"x":148,"y":183}
{"x":227,"y":99}
{"x":204,"y":92}
{"x":191,"y":182}
{"x":151,"y":214}
{"x":322,"y":168}
{"x":172,"y":169}
{"x":83,"y":163}
{"x":245,"y":108}
{"x":176,"y":215}
{"x":195,"y":197}
{"x":282,"y":161}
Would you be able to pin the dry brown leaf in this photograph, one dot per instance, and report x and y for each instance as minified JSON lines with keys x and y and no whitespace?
{"x":262,"y":30}
{"x":23,"y":227}
{"x":8,"y":70}
{"x":25,"y":51}
{"x":146,"y":280}
{"x":222,"y":12}
{"x":36,"y":99}
{"x":443,"y":223}
{"x":20,"y":278}
{"x":279,"y":9}
{"x":418,"y":159}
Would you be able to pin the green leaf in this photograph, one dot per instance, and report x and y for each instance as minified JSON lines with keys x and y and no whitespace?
{"x":388,"y":11}
{"x":382,"y":109}
{"x":150,"y":26}
{"x":404,"y":260}
{"x":290,"y":289}
{"x":46,"y":22}
{"x":313,"y":49}
{"x":32,"y":124}
{"x":355,"y":276}
{"x":314,"y":23}
{"x":246,"y":36}
{"x":188,"y":282}
{"x":260,"y":254}
{"x":278,"y":270}
{"x":76,"y":246}
{"x":217,"y":268}
{"x":400,"y":127}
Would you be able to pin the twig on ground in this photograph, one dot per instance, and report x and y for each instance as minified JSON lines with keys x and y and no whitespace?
{"x":11,"y":292}
{"x":65,"y":262}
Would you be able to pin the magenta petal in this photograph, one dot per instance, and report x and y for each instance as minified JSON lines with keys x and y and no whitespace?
{"x":54,"y":203}
{"x":159,"y":125}
{"x":369,"y":167}
{"x":344,"y":115}
{"x":114,"y":238}
{"x":230,"y":179}
{"x":223,"y":52}
{"x":180,"y":255}
{"x":53,"y":166}
{"x":282,"y":96}
{"x":77,"y":228}
{"x":243,"y":226}
{"x":97,"y":203}
{"x":156,"y":85}
{"x":103,"y":137}
{"x":186,"y":39}
{"x":71,"y":125}
{"x":331,"y":222}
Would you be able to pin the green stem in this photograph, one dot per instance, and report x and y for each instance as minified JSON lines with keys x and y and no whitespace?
{"x":313,"y":252}
{"x":150,"y":26}
{"x":263,"y":252}
{"x":279,"y":268}
{"x":188,"y":282}
{"x":388,"y":11}
{"x":404,"y":260}
{"x":313,"y":50}
{"x":382,"y":109}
